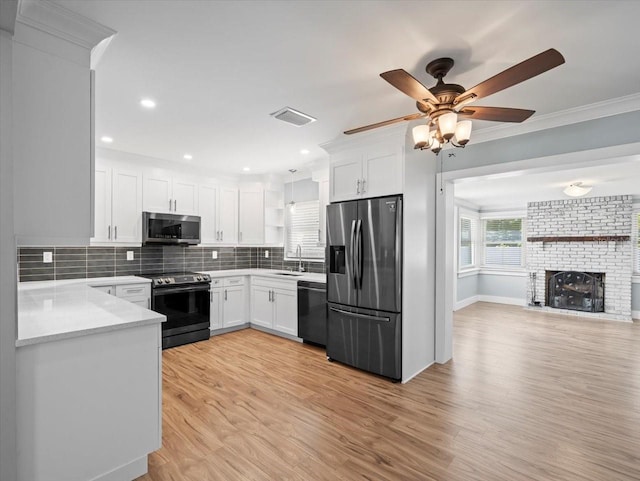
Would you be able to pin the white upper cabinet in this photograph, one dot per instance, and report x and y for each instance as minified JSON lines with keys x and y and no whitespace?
{"x":382,"y":171}
{"x":102,"y":215}
{"x":118,"y":205}
{"x":157,"y":194}
{"x":170,"y":195}
{"x":185,"y":197}
{"x":370,"y":171}
{"x":346,"y":176}
{"x":323,"y":195}
{"x":208,"y":202}
{"x":251,"y":228}
{"x":51,"y":125}
{"x":228,"y":215}
{"x":218,"y":211}
{"x":126,"y":201}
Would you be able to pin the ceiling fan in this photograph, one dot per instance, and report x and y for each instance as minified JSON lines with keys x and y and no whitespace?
{"x":444,"y":103}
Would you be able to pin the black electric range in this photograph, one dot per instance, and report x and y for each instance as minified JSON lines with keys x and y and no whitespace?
{"x":184,"y":297}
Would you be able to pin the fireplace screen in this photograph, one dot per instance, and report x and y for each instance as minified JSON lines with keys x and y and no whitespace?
{"x":580,"y":291}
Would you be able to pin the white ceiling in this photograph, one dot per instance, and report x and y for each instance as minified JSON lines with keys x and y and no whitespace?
{"x":217,"y":69}
{"x":514,"y":190}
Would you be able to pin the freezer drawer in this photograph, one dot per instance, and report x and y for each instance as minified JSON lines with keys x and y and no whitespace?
{"x":366,"y":339}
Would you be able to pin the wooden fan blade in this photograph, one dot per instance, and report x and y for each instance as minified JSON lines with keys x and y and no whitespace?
{"x":408,"y":85}
{"x":496,"y":114}
{"x":518,"y":73}
{"x":386,"y":122}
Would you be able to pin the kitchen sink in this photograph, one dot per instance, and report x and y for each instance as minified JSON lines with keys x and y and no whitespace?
{"x":294,"y":274}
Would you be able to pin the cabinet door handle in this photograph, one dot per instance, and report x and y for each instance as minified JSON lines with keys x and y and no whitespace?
{"x":269,"y":296}
{"x":115,"y":233}
{"x":175,"y":205}
{"x":364,"y":188}
{"x":210,"y":296}
{"x":221,"y":235}
{"x":148,"y":303}
{"x":225,"y":294}
{"x":358,"y":186}
{"x":108,"y":232}
{"x":169,"y":204}
{"x":217,"y":235}
{"x":319,"y":235}
{"x":273,"y":296}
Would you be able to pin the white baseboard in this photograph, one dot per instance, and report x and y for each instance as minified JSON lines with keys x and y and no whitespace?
{"x":513,"y":301}
{"x":635,"y":314}
{"x":465,"y":302}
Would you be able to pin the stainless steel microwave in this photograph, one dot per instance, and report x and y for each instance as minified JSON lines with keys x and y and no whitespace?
{"x":170,"y":229}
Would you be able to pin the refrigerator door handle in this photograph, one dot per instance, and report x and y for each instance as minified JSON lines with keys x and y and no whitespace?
{"x":353,"y":253}
{"x":359,"y":259}
{"x":362,"y":316}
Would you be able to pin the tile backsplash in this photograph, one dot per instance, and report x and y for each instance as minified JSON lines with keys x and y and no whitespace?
{"x":82,"y":262}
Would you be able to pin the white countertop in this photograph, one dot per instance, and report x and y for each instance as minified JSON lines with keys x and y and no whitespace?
{"x":52,"y":310}
{"x":275,"y":274}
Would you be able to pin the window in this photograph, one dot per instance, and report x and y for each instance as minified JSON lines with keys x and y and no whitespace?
{"x":466,"y":243}
{"x":636,"y":242}
{"x":302,"y":229}
{"x":503,"y":242}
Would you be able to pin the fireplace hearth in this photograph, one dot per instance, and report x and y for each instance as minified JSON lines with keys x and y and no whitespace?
{"x":578,"y":291}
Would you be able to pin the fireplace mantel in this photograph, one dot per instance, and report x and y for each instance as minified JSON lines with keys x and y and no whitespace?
{"x":582,"y":238}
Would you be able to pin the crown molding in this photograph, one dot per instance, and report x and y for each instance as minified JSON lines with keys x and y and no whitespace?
{"x":606,"y":108}
{"x":63,"y":23}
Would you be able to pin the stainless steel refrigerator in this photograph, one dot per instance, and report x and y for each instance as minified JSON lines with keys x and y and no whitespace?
{"x":364,"y":284}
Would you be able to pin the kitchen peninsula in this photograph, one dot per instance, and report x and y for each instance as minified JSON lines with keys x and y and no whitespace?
{"x":89,"y":381}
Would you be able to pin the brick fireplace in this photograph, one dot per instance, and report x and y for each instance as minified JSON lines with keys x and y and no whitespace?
{"x":582,"y":236}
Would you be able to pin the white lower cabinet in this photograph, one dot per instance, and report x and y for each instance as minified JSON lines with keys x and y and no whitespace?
{"x":228,"y":301}
{"x":274,"y":304}
{"x":139,"y":294}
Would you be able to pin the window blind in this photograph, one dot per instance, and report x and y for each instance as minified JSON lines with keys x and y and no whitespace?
{"x":466,"y":243}
{"x":636,"y":243}
{"x":302,"y":228}
{"x":503,"y":242}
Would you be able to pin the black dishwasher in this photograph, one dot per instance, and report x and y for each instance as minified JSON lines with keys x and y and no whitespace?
{"x":312,"y":312}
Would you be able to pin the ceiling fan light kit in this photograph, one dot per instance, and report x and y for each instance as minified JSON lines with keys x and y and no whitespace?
{"x":446,"y":106}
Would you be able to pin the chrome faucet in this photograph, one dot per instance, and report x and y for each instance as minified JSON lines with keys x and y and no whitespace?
{"x":299,"y":254}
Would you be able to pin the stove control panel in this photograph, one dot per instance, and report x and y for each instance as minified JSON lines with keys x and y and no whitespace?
{"x":181,"y":279}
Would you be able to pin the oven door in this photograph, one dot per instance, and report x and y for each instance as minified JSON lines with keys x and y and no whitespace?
{"x":186,"y":308}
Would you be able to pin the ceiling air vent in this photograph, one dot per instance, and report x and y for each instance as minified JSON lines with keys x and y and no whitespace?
{"x":292,"y":116}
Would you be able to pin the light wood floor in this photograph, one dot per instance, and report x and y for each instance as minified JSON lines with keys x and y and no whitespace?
{"x":528,"y":396}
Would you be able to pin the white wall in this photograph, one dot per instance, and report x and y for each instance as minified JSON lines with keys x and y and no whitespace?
{"x":8,"y":281}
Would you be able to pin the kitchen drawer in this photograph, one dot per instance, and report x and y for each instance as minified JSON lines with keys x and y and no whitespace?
{"x":133,"y":290}
{"x":106,"y":289}
{"x":216,"y":282}
{"x":233,"y":281}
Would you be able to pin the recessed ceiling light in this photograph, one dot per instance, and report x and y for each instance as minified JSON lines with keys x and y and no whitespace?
{"x":106,"y":140}
{"x":246,"y":169}
{"x":148,"y":103}
{"x":187,"y":156}
{"x":304,"y":151}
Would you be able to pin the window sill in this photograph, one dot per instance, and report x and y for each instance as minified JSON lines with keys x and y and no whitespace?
{"x":497,"y":271}
{"x":468,"y":272}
